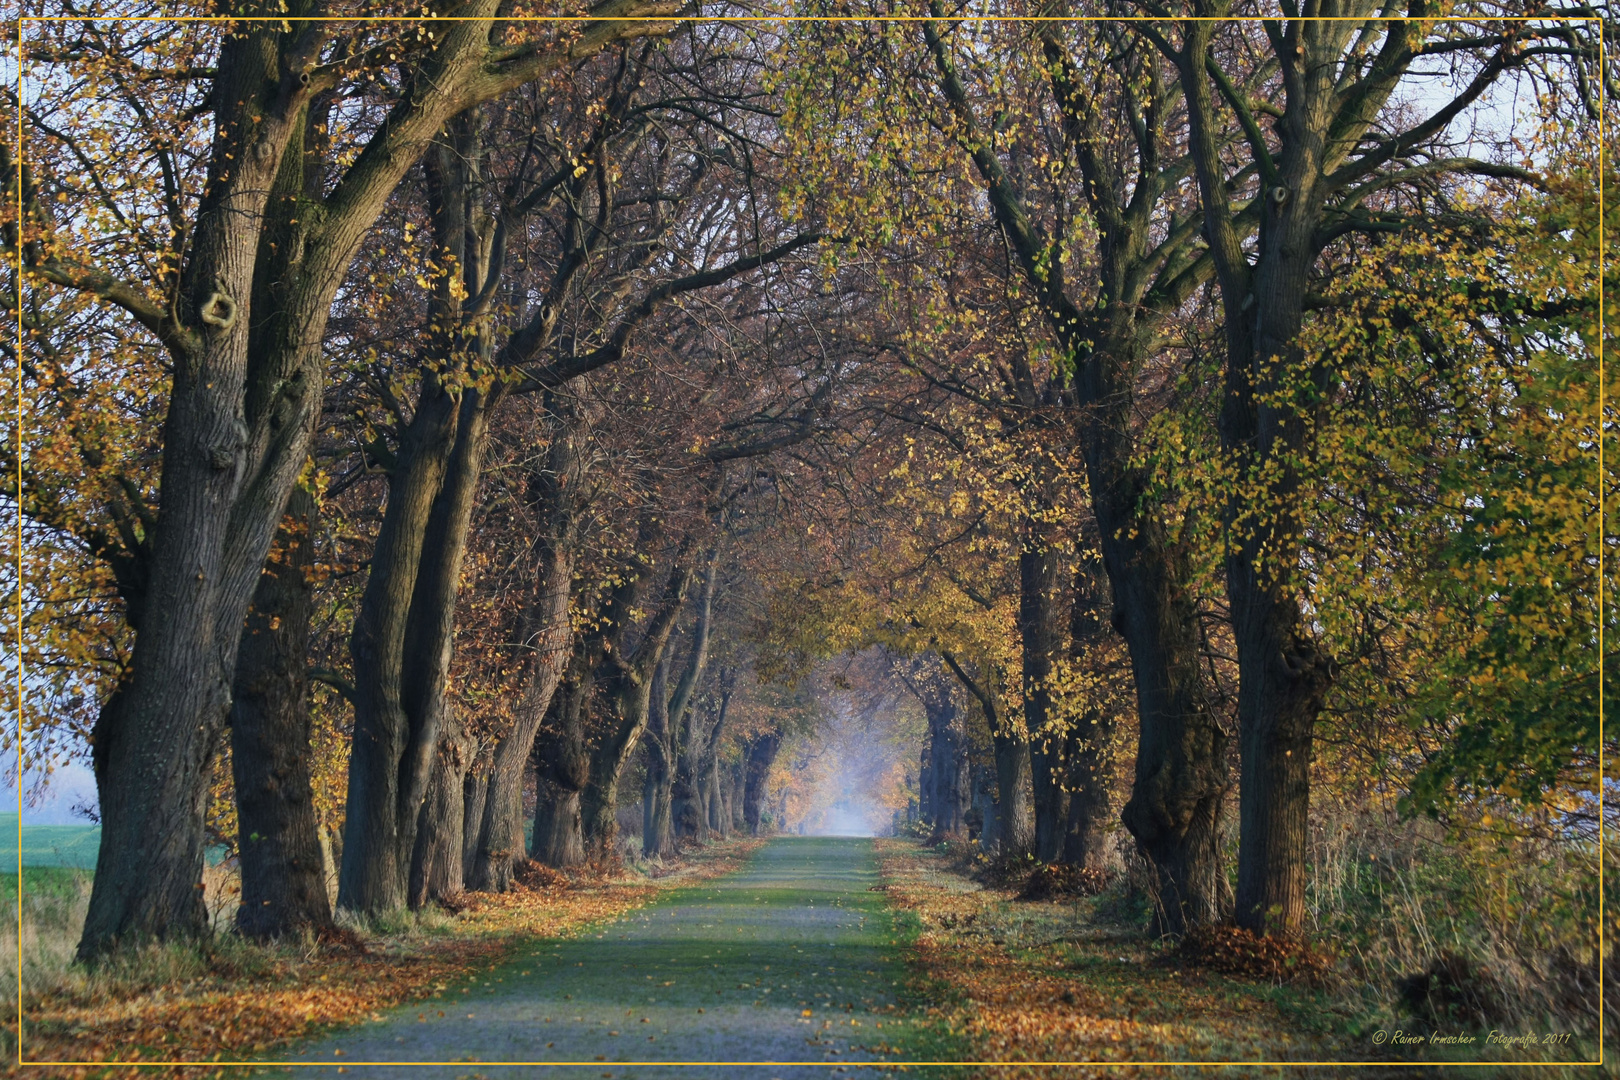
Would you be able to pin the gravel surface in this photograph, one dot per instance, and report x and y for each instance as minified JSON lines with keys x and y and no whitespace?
{"x":790,"y":963}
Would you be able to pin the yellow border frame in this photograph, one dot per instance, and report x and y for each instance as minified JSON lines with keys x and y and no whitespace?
{"x":22,"y":21}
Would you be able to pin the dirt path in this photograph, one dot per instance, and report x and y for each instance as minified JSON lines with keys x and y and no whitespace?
{"x":793,"y":960}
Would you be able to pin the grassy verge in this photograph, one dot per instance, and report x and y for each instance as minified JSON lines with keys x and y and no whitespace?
{"x":229,"y":1000}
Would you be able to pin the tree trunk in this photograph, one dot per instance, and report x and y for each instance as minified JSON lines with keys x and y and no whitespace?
{"x":689,"y":810}
{"x":548,"y":636}
{"x":657,"y":834}
{"x":1085,"y":840}
{"x":1181,"y":771}
{"x":1039,"y":565}
{"x":761,"y":755}
{"x":943,"y":789}
{"x":283,"y":885}
{"x":562,"y":766}
{"x":437,"y":866}
{"x":1010,"y":743}
{"x":499,"y":846}
{"x":984,"y":799}
{"x":925,"y":783}
{"x":403,"y":634}
{"x":393,"y":746}
{"x":722,"y":810}
{"x":474,"y":796}
{"x":716,"y":802}
{"x":629,"y":695}
{"x":268,"y":248}
{"x":684,"y":738}
{"x":1273,"y":393}
{"x":627,"y":685}
{"x":558,"y":840}
{"x":1015,"y":825}
{"x":236,"y":433}
{"x":735,"y":791}
{"x":1089,"y":750}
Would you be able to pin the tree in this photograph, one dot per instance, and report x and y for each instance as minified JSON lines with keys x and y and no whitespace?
{"x":667,"y":723}
{"x":238,"y":296}
{"x":1333,"y":148}
{"x":1038,"y":138}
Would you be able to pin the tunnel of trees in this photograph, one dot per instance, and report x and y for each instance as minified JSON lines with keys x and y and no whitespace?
{"x":1137,"y":441}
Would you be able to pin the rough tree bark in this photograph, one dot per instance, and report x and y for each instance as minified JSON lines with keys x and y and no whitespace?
{"x":947,"y":788}
{"x":736,"y":787}
{"x":1085,"y":841}
{"x":403,"y":633}
{"x":687,"y":737}
{"x":984,"y":798}
{"x":556,"y":493}
{"x":1039,"y":568}
{"x":657,"y":831}
{"x":438,"y":870}
{"x":705,"y":766}
{"x":563,"y":763}
{"x":757,"y":761}
{"x":283,"y":877}
{"x":626,"y":682}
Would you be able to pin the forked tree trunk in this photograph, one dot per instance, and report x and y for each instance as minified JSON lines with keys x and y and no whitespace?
{"x":548,"y":636}
{"x":694,"y":792}
{"x":283,"y":879}
{"x":395,"y":738}
{"x":403,"y":635}
{"x":628,"y":694}
{"x":1015,"y":833}
{"x":715,"y":803}
{"x":499,"y":845}
{"x":1267,"y":429}
{"x":673,"y":744}
{"x":1181,"y":772}
{"x":626,"y":682}
{"x":241,"y":407}
{"x":1274,"y":391}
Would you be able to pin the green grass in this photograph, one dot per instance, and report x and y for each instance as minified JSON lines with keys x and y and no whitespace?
{"x":50,"y":884}
{"x":790,"y":958}
{"x":926,"y":1038}
{"x":48,"y":845}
